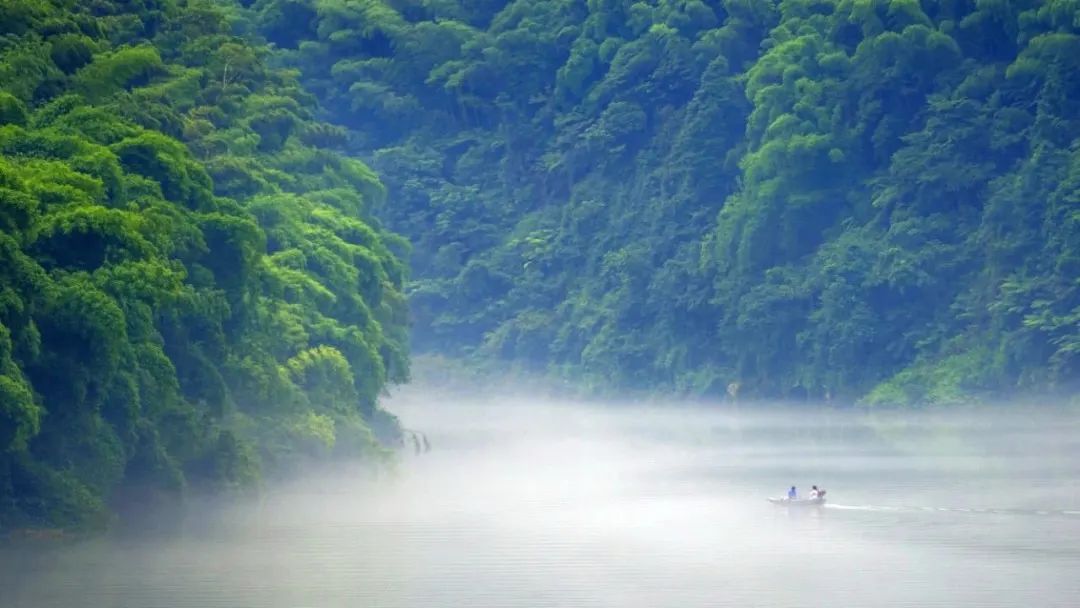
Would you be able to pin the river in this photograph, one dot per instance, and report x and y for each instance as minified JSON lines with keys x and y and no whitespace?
{"x":547,"y":504}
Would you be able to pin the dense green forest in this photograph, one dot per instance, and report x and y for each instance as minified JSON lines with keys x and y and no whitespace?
{"x":843,"y":199}
{"x":812,"y":198}
{"x":192,"y":287}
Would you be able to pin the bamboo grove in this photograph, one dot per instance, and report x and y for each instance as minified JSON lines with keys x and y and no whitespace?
{"x":192,"y":284}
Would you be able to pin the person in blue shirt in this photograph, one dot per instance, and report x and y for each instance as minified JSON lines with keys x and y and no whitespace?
{"x":791,"y":493}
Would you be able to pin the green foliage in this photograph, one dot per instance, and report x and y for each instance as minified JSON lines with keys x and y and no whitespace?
{"x":122,"y":69}
{"x":70,"y":52}
{"x":191,"y":292}
{"x":810,"y":198}
{"x":21,"y":416}
{"x":12,"y":111}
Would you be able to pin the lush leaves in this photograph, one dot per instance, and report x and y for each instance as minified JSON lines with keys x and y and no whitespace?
{"x":810,"y":198}
{"x":191,"y":288}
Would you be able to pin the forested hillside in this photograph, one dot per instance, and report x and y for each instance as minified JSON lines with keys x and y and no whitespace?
{"x":850,"y":199}
{"x":191,"y":285}
{"x":824,"y":198}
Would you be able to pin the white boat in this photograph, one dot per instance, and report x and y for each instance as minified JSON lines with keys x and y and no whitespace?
{"x":799,"y":502}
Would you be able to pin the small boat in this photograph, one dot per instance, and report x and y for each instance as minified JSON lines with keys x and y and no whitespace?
{"x":799,"y":502}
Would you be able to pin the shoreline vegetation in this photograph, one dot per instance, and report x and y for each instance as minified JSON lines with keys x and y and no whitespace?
{"x":463,"y":377}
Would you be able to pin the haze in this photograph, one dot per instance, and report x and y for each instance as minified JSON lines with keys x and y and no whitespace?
{"x":545,"y":503}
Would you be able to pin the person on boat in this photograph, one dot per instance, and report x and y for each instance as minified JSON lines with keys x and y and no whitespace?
{"x":791,"y":494}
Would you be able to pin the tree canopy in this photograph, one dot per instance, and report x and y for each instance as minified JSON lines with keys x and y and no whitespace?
{"x":193,"y":287}
{"x":814,"y":198}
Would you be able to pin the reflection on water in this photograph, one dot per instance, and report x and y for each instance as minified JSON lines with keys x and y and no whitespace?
{"x":554,"y":505}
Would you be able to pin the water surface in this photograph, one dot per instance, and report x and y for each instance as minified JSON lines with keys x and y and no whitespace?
{"x":572,"y":505}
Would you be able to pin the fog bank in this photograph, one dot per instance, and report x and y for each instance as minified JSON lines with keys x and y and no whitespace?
{"x":555,"y":503}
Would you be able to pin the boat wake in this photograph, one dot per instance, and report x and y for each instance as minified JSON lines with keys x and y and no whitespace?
{"x":917,"y":509}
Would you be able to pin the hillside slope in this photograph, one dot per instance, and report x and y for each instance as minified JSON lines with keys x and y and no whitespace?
{"x":812,"y":198}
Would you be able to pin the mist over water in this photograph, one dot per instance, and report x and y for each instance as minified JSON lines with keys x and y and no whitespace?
{"x":535,"y":503}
